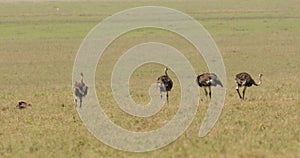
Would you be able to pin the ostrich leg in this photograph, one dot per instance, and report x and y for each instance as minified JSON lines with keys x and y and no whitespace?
{"x":80,"y":99}
{"x":167,"y":97}
{"x":238,"y":91}
{"x":209,"y":88}
{"x":75,"y":101}
{"x":244,"y":91}
{"x":160,"y":94}
{"x":205,"y":91}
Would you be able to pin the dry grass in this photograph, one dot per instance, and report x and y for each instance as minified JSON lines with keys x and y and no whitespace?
{"x":38,"y":45}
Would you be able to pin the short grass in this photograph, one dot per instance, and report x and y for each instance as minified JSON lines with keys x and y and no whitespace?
{"x":38,"y":45}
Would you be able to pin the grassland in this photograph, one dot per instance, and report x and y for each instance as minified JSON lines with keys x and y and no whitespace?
{"x":38,"y":45}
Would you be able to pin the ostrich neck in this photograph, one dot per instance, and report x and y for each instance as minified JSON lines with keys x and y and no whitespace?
{"x":259,"y":81}
{"x":81,"y":79}
{"x":166,"y":72}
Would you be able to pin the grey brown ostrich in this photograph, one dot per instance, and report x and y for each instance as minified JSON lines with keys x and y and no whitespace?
{"x":22,"y":104}
{"x":206,"y":80}
{"x":245,"y":80}
{"x":80,"y":90}
{"x":165,"y":84}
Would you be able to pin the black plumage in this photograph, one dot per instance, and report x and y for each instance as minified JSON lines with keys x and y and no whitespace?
{"x":206,"y":80}
{"x":165,"y":84}
{"x":245,"y":80}
{"x":80,"y":90}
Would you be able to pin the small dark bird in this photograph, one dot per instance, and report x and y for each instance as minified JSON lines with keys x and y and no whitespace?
{"x":207,"y":80}
{"x":22,"y":104}
{"x":245,"y":80}
{"x":165,"y":84}
{"x":80,"y":90}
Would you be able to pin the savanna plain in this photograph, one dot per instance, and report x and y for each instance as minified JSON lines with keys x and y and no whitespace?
{"x":38,"y":46}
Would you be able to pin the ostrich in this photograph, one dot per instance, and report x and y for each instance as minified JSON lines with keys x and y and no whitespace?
{"x":80,"y":90}
{"x":165,"y":84}
{"x":245,"y":80}
{"x":22,"y":104}
{"x":207,"y":80}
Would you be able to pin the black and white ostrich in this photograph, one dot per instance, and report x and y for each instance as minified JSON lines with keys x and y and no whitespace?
{"x":245,"y":80}
{"x":165,"y":84}
{"x":206,"y":80}
{"x":80,"y":90}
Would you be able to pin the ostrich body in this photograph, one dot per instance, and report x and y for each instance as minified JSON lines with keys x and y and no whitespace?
{"x":207,"y":80}
{"x":80,"y":90}
{"x":245,"y":80}
{"x":22,"y":105}
{"x":165,"y":84}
